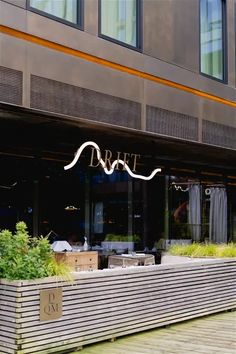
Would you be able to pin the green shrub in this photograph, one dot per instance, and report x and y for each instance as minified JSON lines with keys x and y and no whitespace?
{"x":204,"y":250}
{"x":122,"y":238}
{"x":26,"y":257}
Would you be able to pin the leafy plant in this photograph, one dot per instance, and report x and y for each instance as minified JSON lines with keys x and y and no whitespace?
{"x":122,"y":238}
{"x":204,"y":250}
{"x":26,"y":257}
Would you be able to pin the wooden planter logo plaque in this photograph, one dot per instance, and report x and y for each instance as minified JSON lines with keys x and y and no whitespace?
{"x":50,"y":304}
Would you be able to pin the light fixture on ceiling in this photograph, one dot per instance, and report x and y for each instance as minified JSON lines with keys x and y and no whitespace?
{"x":71,"y":208}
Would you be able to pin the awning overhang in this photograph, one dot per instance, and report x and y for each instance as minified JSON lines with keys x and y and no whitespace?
{"x":26,"y":129}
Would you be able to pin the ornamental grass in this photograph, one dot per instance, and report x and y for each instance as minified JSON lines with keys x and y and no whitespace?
{"x":222,"y":250}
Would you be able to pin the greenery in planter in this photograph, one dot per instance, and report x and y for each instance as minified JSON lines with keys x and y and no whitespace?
{"x":25,"y":257}
{"x":204,"y":250}
{"x":121,"y":238}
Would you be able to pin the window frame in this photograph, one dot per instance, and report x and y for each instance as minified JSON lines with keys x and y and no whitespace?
{"x":79,"y":16}
{"x":224,"y":45}
{"x":139,"y":38}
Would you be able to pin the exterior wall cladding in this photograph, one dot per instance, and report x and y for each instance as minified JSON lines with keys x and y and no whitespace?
{"x":67,"y":73}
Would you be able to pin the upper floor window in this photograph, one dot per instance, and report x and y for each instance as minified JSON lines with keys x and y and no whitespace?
{"x":212,"y":25}
{"x":119,"y":20}
{"x":63,"y":10}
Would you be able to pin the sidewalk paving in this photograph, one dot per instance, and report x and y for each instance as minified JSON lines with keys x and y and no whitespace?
{"x":214,"y":334}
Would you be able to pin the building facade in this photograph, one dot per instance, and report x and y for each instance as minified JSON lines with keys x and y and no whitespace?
{"x":153,"y":84}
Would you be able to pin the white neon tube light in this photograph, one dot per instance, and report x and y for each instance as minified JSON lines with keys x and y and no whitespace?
{"x":116,"y":162}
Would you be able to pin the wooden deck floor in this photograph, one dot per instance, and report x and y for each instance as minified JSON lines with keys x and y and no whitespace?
{"x":206,"y":335}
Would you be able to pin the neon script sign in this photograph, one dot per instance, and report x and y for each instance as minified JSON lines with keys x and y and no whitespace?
{"x":112,"y":166}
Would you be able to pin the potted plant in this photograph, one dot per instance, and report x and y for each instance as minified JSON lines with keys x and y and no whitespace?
{"x":196,"y":251}
{"x":25,"y":257}
{"x":204,"y":250}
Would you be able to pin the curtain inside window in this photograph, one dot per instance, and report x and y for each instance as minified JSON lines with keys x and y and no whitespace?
{"x":194,"y":212}
{"x":218,"y":215}
{"x":65,"y":9}
{"x":212,"y":38}
{"x":118,"y":20}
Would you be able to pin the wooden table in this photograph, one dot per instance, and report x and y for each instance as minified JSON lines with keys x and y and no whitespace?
{"x":129,"y":260}
{"x":78,"y":261}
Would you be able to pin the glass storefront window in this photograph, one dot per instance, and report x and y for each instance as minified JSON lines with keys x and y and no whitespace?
{"x":17,"y":192}
{"x":119,"y":20}
{"x":212,"y":38}
{"x":109,"y":203}
{"x":67,"y":10}
{"x":62,"y":204}
{"x":199,"y":210}
{"x":85,"y":201}
{"x":185,"y":209}
{"x":179,"y":228}
{"x":232,"y":212}
{"x":126,"y":210}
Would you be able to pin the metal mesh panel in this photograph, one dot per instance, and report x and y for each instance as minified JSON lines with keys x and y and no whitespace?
{"x":172,"y":123}
{"x":54,"y":96}
{"x":11,"y":82}
{"x":218,"y":134}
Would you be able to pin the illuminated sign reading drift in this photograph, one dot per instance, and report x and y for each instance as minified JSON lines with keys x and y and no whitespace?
{"x":112,"y":166}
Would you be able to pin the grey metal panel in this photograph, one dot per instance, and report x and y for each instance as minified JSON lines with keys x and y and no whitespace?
{"x":44,"y":63}
{"x":11,"y":82}
{"x":19,"y":3}
{"x":47,"y":63}
{"x":231,"y":34}
{"x":218,"y":134}
{"x":13,"y":16}
{"x":188,"y":78}
{"x":171,"y":31}
{"x":88,"y":42}
{"x":82,"y":40}
{"x":9,"y":46}
{"x":218,"y":113}
{"x":166,"y":66}
{"x":91,"y":17}
{"x":54,"y":96}
{"x":170,"y":123}
{"x":173,"y":100}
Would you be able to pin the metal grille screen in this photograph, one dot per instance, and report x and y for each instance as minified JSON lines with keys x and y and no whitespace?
{"x":54,"y":96}
{"x":11,"y":82}
{"x":172,"y":123}
{"x":218,"y":134}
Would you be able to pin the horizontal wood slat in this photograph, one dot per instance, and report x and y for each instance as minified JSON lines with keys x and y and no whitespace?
{"x":116,"y":320}
{"x":100,"y":305}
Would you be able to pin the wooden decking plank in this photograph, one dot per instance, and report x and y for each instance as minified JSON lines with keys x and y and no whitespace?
{"x":180,"y":336}
{"x":175,"y":339}
{"x":194,"y":331}
{"x":175,"y":345}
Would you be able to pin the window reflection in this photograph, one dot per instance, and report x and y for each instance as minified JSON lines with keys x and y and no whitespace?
{"x":64,"y":9}
{"x":212,"y":38}
{"x":119,"y":20}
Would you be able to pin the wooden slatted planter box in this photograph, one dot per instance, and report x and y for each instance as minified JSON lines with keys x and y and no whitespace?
{"x":104,"y":304}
